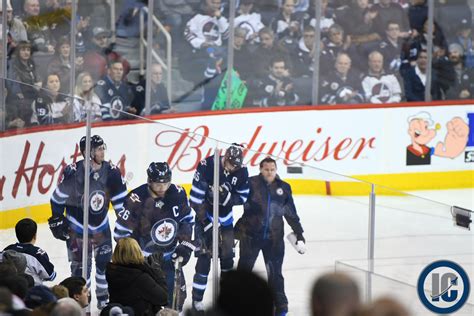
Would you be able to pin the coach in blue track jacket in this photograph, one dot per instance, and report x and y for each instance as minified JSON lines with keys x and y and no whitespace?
{"x":261,"y":227}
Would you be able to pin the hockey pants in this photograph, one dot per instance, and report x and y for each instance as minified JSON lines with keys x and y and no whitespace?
{"x":100,"y":246}
{"x":203,"y":264}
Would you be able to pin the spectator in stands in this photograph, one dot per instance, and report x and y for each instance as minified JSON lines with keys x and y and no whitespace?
{"x":118,"y":309}
{"x":463,"y":87}
{"x":115,"y":94}
{"x":245,"y":293}
{"x":96,"y":12}
{"x":303,"y":55}
{"x":6,"y":301}
{"x":22,"y":88}
{"x":414,"y":79}
{"x":17,"y":258}
{"x":49,"y":6}
{"x":277,"y":88}
{"x":450,"y":15}
{"x":418,"y":42}
{"x":337,"y":42}
{"x":60,"y":19}
{"x":391,"y":46}
{"x":384,"y":306}
{"x":51,"y":106}
{"x":334,"y":294}
{"x":40,"y":299}
{"x":417,"y":15}
{"x":388,"y":10}
{"x":127,"y":39}
{"x":379,"y":86}
{"x":134,"y":281}
{"x":343,"y":85}
{"x":242,"y":55}
{"x":327,"y":17}
{"x":205,"y":32}
{"x":99,"y":53}
{"x":10,"y":279}
{"x":38,"y":264}
{"x":37,"y":28}
{"x":465,"y":39}
{"x":173,"y":14}
{"x":443,"y":69}
{"x":85,"y":97}
{"x":77,"y":289}
{"x":13,"y":260}
{"x":286,"y":25}
{"x":16,"y":31}
{"x":249,"y":20}
{"x":357,"y":20}
{"x":61,"y":63}
{"x":60,"y":291}
{"x":66,"y":306}
{"x":267,"y":49}
{"x":159,"y":99}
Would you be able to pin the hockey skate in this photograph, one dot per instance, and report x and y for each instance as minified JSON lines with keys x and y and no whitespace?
{"x":198,"y":307}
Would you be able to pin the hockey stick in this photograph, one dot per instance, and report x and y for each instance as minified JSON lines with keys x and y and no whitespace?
{"x":177,"y":283}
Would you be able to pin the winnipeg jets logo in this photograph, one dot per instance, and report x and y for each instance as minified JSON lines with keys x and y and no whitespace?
{"x":116,"y":107}
{"x":159,"y":204}
{"x":226,"y":173}
{"x":279,"y":191}
{"x":163,"y":233}
{"x":97,"y":201}
{"x":96,"y":176}
{"x":135,"y":198}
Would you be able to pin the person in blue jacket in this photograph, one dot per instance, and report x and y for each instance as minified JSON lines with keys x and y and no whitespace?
{"x":261,"y":227}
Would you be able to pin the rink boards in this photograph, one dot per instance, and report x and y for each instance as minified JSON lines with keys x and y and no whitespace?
{"x":316,"y":146}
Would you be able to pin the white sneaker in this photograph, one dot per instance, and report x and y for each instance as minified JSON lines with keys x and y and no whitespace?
{"x":198,"y":306}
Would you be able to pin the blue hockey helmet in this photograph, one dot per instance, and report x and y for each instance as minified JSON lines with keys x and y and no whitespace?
{"x":96,"y":141}
{"x":159,"y":172}
{"x":234,"y":155}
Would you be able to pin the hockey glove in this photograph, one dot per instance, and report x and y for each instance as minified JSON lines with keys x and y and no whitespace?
{"x":183,"y":250}
{"x":155,"y":260}
{"x":59,"y":227}
{"x":224,"y":194}
{"x":203,"y":235}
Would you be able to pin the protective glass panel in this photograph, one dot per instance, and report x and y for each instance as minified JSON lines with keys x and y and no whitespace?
{"x":381,"y":283}
{"x":453,"y":53}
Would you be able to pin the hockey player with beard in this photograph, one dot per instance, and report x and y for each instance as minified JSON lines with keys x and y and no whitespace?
{"x":67,"y":202}
{"x":157,"y":214}
{"x":379,"y":86}
{"x":233,"y":190}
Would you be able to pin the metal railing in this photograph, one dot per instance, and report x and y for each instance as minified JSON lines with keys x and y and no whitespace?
{"x":144,"y":44}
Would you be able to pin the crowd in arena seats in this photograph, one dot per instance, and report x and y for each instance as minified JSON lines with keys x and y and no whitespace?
{"x":372,"y":51}
{"x":137,"y":287}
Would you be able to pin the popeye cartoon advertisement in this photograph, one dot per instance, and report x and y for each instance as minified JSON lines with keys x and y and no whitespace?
{"x":422,"y":131}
